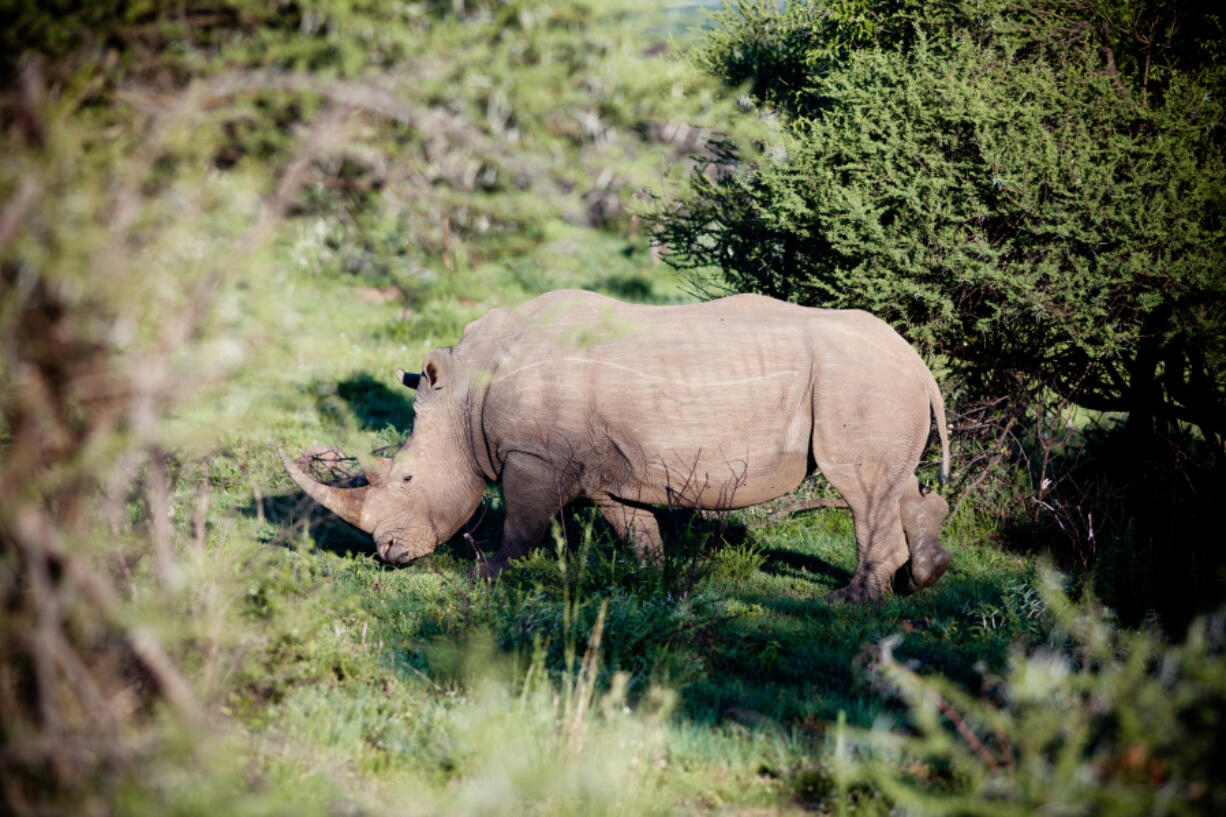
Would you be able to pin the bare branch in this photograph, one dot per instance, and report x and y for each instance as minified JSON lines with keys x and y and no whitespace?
{"x":200,"y":518}
{"x":1000,"y":453}
{"x":802,"y":505}
{"x":965,"y":730}
{"x":158,"y":499}
{"x":1104,"y":33}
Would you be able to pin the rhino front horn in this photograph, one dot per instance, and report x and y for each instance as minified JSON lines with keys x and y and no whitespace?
{"x":410,"y":380}
{"x":344,"y":502}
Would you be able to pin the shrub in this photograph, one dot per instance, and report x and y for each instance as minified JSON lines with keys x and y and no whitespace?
{"x":1012,"y":208}
{"x":1099,"y":720}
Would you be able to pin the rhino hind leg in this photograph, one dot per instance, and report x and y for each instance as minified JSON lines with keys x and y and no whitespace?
{"x":922,"y":514}
{"x":872,"y":494}
{"x":532,"y":495}
{"x":637,"y":525}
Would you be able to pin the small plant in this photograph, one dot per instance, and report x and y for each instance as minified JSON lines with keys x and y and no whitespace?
{"x":1098,"y":720}
{"x":737,"y":562}
{"x":1021,"y":610}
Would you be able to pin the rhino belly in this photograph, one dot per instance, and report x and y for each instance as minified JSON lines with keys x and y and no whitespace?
{"x":724,"y":466}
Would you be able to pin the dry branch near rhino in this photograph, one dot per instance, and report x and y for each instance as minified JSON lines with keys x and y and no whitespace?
{"x":718,"y":405}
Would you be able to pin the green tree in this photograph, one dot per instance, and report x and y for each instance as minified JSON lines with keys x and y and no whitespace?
{"x":1034,"y":193}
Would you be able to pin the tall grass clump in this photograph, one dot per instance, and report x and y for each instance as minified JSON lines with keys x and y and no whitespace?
{"x":547,"y":744}
{"x":498,"y":737}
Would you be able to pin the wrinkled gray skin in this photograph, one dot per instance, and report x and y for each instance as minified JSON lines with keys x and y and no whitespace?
{"x":717,"y":405}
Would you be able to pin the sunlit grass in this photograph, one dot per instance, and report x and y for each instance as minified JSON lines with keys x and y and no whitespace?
{"x":365,"y":671}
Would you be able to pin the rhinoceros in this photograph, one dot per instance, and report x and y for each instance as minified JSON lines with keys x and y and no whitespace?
{"x":715,"y":405}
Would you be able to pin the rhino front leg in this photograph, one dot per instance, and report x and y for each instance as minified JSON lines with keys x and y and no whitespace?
{"x":635,"y":524}
{"x":922,"y":515}
{"x":532,"y":495}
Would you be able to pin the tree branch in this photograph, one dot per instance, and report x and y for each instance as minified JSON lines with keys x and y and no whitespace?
{"x":1104,"y":33}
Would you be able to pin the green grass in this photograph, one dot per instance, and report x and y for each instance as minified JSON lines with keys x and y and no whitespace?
{"x":358,"y":676}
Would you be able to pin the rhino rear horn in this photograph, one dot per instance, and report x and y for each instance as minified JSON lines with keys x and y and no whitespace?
{"x":410,"y":380}
{"x":344,"y":502}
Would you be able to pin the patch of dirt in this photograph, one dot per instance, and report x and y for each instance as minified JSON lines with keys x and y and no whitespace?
{"x":379,"y":295}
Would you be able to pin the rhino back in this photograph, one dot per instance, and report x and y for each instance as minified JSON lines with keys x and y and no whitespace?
{"x":707,"y":404}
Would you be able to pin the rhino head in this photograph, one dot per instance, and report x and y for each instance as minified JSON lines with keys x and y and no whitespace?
{"x":421,"y":497}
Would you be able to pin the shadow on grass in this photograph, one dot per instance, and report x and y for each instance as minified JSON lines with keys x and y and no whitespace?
{"x":767,"y":650}
{"x":763,"y":648}
{"x":293,"y":514}
{"x":368,"y":403}
{"x":782,"y":562}
{"x":375,"y":405}
{"x":802,"y":661}
{"x":677,"y":526}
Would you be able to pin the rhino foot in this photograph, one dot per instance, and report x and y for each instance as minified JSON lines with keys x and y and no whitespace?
{"x":856,"y":592}
{"x":927,"y":565}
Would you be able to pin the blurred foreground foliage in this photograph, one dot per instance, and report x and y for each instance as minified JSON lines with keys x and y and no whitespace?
{"x":152,"y":155}
{"x":1034,"y":195}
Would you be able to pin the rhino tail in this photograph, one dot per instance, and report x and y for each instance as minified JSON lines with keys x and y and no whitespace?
{"x":937,"y":403}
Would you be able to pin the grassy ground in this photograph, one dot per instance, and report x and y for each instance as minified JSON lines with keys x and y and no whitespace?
{"x":717,"y":678}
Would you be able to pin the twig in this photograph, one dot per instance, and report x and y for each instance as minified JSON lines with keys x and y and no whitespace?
{"x":158,"y":499}
{"x":163,"y":670}
{"x":200,"y":518}
{"x":1006,"y":751}
{"x":49,"y":620}
{"x":587,"y":676}
{"x":257,"y":497}
{"x":891,"y":666}
{"x":801,"y":505}
{"x":1104,"y":33}
{"x":39,"y":538}
{"x":17,"y":207}
{"x":965,"y":730}
{"x":1000,"y":453}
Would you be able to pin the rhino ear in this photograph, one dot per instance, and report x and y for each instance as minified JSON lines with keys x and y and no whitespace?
{"x":437,"y":368}
{"x":409,"y":380}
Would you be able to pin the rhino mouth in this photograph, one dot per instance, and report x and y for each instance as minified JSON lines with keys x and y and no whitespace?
{"x":400,"y":550}
{"x":395,"y":553}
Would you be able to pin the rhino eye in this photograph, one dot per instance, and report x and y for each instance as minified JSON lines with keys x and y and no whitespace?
{"x":408,"y":478}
